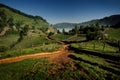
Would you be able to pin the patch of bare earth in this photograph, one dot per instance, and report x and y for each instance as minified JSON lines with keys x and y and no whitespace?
{"x":4,"y":31}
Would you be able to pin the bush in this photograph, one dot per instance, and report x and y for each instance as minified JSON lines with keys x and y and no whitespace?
{"x":3,"y":48}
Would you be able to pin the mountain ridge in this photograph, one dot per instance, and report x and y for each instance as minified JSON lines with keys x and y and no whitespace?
{"x":107,"y":21}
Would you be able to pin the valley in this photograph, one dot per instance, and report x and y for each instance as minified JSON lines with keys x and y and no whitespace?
{"x":33,"y":49}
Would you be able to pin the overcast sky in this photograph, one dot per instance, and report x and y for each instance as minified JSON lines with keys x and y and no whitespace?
{"x":74,"y":11}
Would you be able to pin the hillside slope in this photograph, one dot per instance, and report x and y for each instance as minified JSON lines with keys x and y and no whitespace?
{"x":18,"y":17}
{"x":19,"y":30}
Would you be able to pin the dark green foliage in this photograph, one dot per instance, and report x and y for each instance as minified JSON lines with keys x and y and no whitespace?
{"x":92,"y":32}
{"x":58,"y":31}
{"x":3,"y":19}
{"x":18,"y":25}
{"x":11,"y":31}
{"x":10,"y":22}
{"x":25,"y":29}
{"x":72,"y":32}
{"x":21,"y":13}
{"x":38,"y":17}
{"x":76,"y":29}
{"x":23,"y":32}
{"x":63,"y":31}
{"x":3,"y":48}
{"x":50,"y":34}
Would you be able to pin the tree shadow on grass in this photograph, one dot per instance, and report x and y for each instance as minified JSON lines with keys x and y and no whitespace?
{"x":105,"y":56}
{"x":108,"y":68}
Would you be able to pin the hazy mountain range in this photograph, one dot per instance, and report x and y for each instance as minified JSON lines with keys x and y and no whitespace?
{"x":111,"y":21}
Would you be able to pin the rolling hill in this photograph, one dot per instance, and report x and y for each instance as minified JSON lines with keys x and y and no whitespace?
{"x":23,"y":18}
{"x":14,"y":24}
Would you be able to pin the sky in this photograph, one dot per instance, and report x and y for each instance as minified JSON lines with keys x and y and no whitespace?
{"x":72,"y":11}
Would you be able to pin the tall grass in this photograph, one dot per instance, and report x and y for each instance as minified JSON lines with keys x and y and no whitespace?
{"x":96,"y":46}
{"x":32,"y":50}
{"x":114,"y":33}
{"x":60,"y":37}
{"x":19,"y":70}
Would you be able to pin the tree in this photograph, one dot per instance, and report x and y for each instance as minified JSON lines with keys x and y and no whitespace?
{"x":97,"y":25}
{"x":76,"y":29}
{"x":10,"y":22}
{"x":26,"y":29}
{"x":92,"y":32}
{"x":58,"y":31}
{"x":63,"y":31}
{"x":23,"y":32}
{"x":81,"y":29}
{"x":18,"y":25}
{"x":50,"y":34}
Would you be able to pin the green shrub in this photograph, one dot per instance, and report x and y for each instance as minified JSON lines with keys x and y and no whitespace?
{"x":3,"y":48}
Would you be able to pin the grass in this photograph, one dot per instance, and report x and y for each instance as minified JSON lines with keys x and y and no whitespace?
{"x":114,"y":33}
{"x":40,"y":69}
{"x":8,"y":39}
{"x":31,"y":44}
{"x":96,"y":67}
{"x":97,"y":64}
{"x":32,"y":50}
{"x":96,"y":46}
{"x":26,"y":20}
{"x":92,"y":72}
{"x":76,"y":38}
{"x":91,"y":62}
{"x":30,"y":41}
{"x":20,"y":70}
{"x":60,"y":37}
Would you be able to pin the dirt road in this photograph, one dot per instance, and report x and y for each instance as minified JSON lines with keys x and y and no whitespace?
{"x":60,"y":56}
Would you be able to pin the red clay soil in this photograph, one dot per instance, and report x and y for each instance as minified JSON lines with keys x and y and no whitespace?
{"x":60,"y":56}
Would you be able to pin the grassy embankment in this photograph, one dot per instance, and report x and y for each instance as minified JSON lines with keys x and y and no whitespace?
{"x":29,"y":45}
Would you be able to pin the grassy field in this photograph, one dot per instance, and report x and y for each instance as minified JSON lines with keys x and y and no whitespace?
{"x":114,"y":33}
{"x":85,"y":67}
{"x":23,"y":69}
{"x":97,"y":68}
{"x":76,"y":38}
{"x":38,"y":69}
{"x":32,"y":50}
{"x":8,"y":39}
{"x":29,"y":45}
{"x":60,"y":37}
{"x":96,"y":46}
{"x":90,"y":60}
{"x":97,"y":64}
{"x":31,"y":41}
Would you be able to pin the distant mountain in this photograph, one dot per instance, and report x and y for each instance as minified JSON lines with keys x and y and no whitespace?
{"x":23,"y":18}
{"x":66,"y":26}
{"x":111,"y":21}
